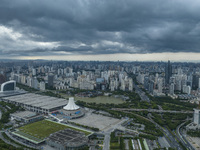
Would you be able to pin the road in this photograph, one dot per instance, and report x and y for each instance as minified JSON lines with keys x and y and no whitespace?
{"x":141,"y":93}
{"x":6,"y":141}
{"x":168,"y":135}
{"x":106,"y":143}
{"x":153,"y":110}
{"x":182,"y":138}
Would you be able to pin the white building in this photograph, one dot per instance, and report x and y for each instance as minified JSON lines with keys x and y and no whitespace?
{"x":112,"y":85}
{"x":33,"y":71}
{"x":196,"y":118}
{"x":186,"y":89}
{"x":130,"y":87}
{"x":171,"y":89}
{"x":8,"y":86}
{"x":42,"y":86}
{"x":71,"y":105}
{"x":160,"y":85}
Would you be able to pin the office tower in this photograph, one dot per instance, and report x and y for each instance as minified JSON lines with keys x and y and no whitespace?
{"x":151,"y":86}
{"x":50,"y":80}
{"x":199,"y":84}
{"x":112,"y":85}
{"x":33,"y":71}
{"x":146,"y":82}
{"x":171,"y":89}
{"x":197,"y":116}
{"x":160,"y":85}
{"x":168,"y":72}
{"x":195,"y":81}
{"x":2,"y":79}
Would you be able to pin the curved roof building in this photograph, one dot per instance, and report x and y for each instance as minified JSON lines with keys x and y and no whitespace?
{"x":8,"y":86}
{"x":71,"y":105}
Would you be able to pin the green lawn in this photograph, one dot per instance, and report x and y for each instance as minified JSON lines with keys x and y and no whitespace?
{"x":39,"y":130}
{"x":114,"y":146}
{"x":98,"y":99}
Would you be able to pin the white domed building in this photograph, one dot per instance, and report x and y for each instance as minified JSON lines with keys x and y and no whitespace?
{"x":71,"y":105}
{"x":70,"y":111}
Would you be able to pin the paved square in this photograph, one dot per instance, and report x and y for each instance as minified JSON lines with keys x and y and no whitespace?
{"x":97,"y":121}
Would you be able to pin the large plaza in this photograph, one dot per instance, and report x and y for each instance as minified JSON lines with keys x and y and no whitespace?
{"x":97,"y":121}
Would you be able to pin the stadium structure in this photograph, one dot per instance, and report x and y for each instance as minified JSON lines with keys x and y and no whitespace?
{"x":9,"y":89}
{"x":8,"y":86}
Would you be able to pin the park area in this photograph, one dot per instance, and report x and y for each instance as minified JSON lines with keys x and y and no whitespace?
{"x":97,"y":100}
{"x":38,"y":131}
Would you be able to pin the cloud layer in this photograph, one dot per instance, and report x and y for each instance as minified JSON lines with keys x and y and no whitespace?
{"x":89,"y":27}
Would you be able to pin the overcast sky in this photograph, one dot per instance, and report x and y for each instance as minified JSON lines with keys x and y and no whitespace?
{"x":100,"y":29}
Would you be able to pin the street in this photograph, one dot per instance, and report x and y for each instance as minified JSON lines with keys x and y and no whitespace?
{"x":141,"y":93}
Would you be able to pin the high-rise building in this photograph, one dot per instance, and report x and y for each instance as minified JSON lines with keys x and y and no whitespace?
{"x":195,"y":81}
{"x":171,"y":89}
{"x":112,"y":85}
{"x":168,"y":72}
{"x":130,"y":88}
{"x":123,"y":85}
{"x":146,"y":82}
{"x":197,"y":116}
{"x":42,"y":86}
{"x":50,"y":80}
{"x":33,"y":71}
{"x":151,"y":86}
{"x":199,"y":84}
{"x":186,"y":89}
{"x":160,"y":85}
{"x":2,"y":79}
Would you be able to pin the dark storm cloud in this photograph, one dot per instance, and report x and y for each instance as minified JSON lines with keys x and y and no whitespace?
{"x":100,"y":26}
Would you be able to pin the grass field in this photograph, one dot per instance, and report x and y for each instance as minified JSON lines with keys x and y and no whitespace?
{"x":37,"y":131}
{"x":98,"y":99}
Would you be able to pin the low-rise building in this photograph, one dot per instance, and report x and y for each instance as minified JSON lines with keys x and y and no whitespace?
{"x":67,"y":139}
{"x":26,"y":116}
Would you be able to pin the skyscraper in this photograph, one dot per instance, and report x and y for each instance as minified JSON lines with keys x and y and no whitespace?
{"x":168,"y":72}
{"x":196,"y":116}
{"x":50,"y":80}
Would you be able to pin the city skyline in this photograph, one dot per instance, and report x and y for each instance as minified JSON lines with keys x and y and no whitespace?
{"x":100,"y":30}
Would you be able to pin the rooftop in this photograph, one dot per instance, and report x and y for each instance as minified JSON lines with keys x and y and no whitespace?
{"x":69,"y":137}
{"x":24,"y":114}
{"x":12,"y":93}
{"x":35,"y":100}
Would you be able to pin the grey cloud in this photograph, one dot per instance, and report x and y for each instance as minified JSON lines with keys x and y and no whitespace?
{"x":138,"y":26}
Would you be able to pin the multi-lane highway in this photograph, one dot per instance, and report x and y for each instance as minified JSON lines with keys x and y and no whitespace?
{"x":182,"y":138}
{"x":153,"y":110}
{"x":141,"y":93}
{"x":168,"y":135}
